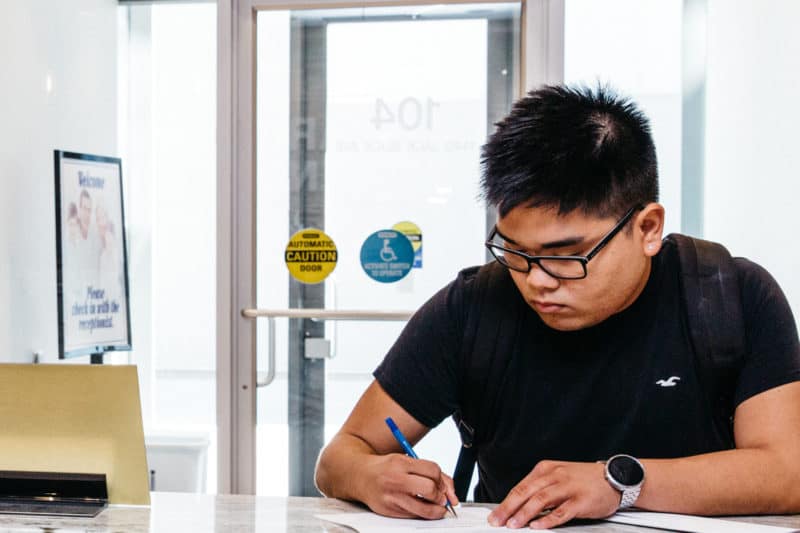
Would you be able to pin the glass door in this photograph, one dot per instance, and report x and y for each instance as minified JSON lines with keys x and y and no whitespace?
{"x":368,"y":130}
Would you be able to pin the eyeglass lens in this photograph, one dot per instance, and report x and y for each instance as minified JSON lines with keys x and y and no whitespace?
{"x":563,"y":268}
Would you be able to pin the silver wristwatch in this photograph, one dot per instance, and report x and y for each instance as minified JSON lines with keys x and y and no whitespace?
{"x":626,"y":474}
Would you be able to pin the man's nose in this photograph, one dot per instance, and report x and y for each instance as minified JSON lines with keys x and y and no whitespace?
{"x":540,"y":279}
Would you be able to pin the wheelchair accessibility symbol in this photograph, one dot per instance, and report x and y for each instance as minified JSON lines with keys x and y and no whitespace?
{"x":387,"y":256}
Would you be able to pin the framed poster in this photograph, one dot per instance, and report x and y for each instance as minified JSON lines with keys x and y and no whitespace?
{"x":91,"y":255}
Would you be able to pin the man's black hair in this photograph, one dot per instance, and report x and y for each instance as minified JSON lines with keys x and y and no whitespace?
{"x":571,"y":148}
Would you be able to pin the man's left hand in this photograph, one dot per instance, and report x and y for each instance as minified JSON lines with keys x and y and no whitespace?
{"x":568,"y":490}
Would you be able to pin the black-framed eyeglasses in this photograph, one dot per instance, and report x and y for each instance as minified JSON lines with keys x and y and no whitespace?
{"x":558,"y":266}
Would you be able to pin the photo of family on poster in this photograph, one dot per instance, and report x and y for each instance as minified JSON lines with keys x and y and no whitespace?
{"x":91,"y":233}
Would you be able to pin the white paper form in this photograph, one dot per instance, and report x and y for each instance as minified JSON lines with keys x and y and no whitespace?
{"x":692,"y":524}
{"x":470,"y":520}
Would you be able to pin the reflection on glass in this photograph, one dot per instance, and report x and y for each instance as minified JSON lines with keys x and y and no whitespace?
{"x":355,"y":139}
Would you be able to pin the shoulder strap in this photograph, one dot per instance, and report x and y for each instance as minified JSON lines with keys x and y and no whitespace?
{"x":489,"y":335}
{"x":711,"y":296}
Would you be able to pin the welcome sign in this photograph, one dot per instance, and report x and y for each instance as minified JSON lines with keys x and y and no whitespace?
{"x":91,"y":254}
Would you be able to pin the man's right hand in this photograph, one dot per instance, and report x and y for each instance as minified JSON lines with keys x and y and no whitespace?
{"x":364,"y":462}
{"x":398,"y":486}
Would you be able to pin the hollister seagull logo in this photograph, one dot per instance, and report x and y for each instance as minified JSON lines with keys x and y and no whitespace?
{"x":670,"y":382}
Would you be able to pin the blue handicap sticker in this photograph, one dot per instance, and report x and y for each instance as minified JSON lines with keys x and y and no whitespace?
{"x":387,"y":256}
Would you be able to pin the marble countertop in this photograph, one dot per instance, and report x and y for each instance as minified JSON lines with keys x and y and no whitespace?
{"x":200,"y":513}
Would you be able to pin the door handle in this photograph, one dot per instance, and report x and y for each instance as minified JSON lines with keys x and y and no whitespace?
{"x":270,"y":355}
{"x":314,"y":314}
{"x":328,"y":314}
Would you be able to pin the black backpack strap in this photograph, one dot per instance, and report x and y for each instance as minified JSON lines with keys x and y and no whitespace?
{"x":712,"y":300}
{"x":465,"y":465}
{"x":489,"y":336}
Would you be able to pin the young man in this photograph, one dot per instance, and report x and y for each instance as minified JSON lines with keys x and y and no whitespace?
{"x":600,"y":361}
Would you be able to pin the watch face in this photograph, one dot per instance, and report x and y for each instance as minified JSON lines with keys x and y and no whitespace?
{"x":626,"y":470}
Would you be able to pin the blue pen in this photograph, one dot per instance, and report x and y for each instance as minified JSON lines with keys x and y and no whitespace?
{"x":410,"y":452}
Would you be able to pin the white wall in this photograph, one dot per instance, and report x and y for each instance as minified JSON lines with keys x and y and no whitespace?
{"x":167,"y":132}
{"x":751,"y":134}
{"x":184,"y":182}
{"x":59,"y":90}
{"x":635,"y":46}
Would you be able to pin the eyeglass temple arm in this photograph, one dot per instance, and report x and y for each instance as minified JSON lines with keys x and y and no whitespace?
{"x":611,"y":234}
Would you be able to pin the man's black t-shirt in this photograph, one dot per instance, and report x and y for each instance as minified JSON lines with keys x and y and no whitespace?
{"x":627,"y":385}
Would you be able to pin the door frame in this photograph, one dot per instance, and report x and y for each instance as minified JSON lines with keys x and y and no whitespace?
{"x":541,"y":61}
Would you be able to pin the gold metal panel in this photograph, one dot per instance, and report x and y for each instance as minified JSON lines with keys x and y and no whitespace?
{"x":75,"y":418}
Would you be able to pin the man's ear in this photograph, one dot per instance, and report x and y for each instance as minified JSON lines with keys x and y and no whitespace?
{"x":649,"y":226}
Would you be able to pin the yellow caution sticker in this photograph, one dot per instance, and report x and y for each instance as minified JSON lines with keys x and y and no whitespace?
{"x":310,"y":255}
{"x":414,"y":234}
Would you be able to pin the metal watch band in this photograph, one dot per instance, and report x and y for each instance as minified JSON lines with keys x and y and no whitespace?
{"x":629,"y":497}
